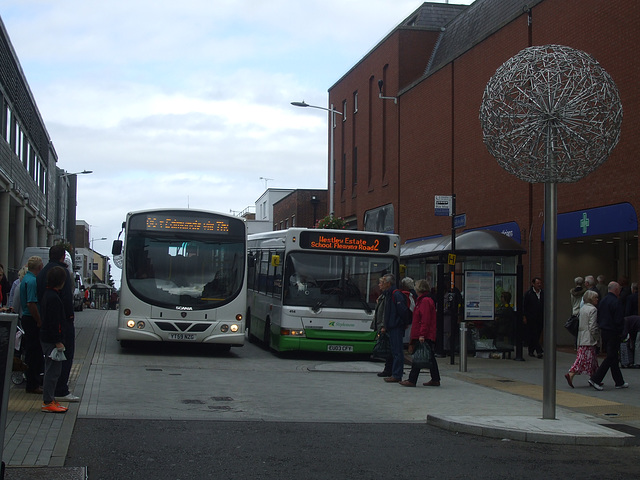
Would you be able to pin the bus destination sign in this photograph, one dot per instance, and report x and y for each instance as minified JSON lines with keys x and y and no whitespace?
{"x":354,"y":242}
{"x":183,"y":224}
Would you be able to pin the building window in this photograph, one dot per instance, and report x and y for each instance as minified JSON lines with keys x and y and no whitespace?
{"x":355,"y":102}
{"x":344,"y":172}
{"x":344,"y":110}
{"x":354,"y":167}
{"x":293,"y":221}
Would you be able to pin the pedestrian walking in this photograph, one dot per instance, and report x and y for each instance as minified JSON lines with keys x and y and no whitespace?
{"x":587,"y":339}
{"x":423,"y":329}
{"x":611,"y":323}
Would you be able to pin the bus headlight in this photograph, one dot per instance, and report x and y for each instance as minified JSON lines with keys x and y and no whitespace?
{"x":234,"y":328}
{"x":293,"y":333}
{"x":224,"y":328}
{"x":239,"y":317}
{"x":132,"y":324}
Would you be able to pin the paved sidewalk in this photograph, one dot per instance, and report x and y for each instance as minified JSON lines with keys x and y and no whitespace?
{"x":496,"y":398}
{"x":36,"y":443}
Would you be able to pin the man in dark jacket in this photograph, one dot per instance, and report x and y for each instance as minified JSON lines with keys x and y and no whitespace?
{"x":533,"y":316}
{"x":395,"y":311}
{"x":611,"y":323}
{"x":57,"y":255}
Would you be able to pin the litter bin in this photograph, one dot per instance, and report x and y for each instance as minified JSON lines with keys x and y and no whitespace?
{"x":8,"y":322}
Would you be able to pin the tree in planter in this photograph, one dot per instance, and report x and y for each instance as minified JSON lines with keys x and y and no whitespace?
{"x":336,"y":223}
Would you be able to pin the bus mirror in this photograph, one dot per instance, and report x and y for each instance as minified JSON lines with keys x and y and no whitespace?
{"x":403,"y":270}
{"x":116,"y":249}
{"x":275,"y":260}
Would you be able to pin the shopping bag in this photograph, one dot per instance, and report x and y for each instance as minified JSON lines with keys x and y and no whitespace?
{"x":382,"y":348}
{"x":422,"y":356}
{"x":57,"y":355}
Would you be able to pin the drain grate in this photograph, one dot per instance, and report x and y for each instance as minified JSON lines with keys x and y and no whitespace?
{"x":193,"y":402}
{"x":220,"y":407}
{"x":222,"y":399}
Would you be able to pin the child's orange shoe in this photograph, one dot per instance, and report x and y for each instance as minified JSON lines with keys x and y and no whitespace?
{"x":53,"y":407}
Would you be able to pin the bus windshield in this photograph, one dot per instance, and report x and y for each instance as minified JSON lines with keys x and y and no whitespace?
{"x":198,"y":272}
{"x":337,"y":281}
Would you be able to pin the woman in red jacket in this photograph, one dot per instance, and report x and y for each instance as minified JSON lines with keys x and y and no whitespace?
{"x":423,"y":329}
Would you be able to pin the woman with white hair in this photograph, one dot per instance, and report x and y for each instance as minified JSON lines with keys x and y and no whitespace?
{"x":588,"y":336}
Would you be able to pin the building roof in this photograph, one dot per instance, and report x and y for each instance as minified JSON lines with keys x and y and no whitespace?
{"x":472,"y":26}
{"x":429,"y":16}
{"x":433,"y":16}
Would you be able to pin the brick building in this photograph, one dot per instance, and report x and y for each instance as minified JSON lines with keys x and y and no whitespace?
{"x":301,"y":208}
{"x":396,"y":154}
{"x":37,"y":199}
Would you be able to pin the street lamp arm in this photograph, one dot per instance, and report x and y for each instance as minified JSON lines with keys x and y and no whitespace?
{"x":84,"y":172}
{"x":331,"y":153}
{"x":305,"y":104}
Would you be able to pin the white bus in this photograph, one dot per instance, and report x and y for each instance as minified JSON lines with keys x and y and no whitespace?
{"x":315,"y":290}
{"x":183,"y":277}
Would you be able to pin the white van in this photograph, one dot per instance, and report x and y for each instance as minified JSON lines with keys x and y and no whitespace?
{"x":43,"y":252}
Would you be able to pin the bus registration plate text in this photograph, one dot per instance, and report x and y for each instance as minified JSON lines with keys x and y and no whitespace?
{"x":182,"y":336}
{"x":340,"y":348}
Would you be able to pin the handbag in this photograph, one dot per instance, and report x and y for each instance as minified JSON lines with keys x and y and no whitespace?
{"x":382,"y":348}
{"x":422,"y":356}
{"x":572,"y":325}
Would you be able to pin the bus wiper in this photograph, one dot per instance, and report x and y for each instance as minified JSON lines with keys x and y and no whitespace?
{"x":316,"y":308}
{"x":366,"y":306}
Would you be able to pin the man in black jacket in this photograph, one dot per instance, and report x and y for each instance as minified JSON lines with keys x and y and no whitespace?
{"x":611,"y":323}
{"x":57,"y":255}
{"x":533,"y":316}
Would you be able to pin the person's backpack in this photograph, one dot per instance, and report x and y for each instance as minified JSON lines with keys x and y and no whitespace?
{"x":407,"y":316}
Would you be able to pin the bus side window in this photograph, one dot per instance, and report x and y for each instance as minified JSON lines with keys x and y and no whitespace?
{"x":277,"y":276}
{"x":251,"y":270}
{"x":263,"y":275}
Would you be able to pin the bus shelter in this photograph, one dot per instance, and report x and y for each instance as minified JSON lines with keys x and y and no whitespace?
{"x":486,"y":254}
{"x":100,"y":294}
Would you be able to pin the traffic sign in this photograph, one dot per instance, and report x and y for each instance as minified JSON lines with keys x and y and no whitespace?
{"x":460,"y":221}
{"x":443,"y":205}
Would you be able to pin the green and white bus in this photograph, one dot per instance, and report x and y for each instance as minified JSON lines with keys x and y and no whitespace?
{"x":315,"y":290}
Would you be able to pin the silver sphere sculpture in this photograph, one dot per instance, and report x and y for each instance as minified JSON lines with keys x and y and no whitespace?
{"x":551,"y":114}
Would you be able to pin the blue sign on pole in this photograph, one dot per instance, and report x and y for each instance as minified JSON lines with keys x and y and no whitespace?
{"x":460,"y":221}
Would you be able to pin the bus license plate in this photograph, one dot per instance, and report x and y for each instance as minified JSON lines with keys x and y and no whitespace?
{"x":340,"y":348}
{"x":182,"y":336}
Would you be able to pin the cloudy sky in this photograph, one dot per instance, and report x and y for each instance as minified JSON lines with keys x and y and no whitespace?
{"x":187,"y":104}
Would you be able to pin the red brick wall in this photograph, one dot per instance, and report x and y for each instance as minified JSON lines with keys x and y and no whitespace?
{"x":298,"y":204}
{"x":439,"y":140}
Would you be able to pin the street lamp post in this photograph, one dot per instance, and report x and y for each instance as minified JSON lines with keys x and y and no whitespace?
{"x":332,"y":118}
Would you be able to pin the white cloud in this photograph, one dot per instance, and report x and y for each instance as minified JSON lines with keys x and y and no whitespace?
{"x":176,"y":104}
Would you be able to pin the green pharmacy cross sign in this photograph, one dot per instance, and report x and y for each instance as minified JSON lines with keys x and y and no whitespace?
{"x":584,"y":222}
